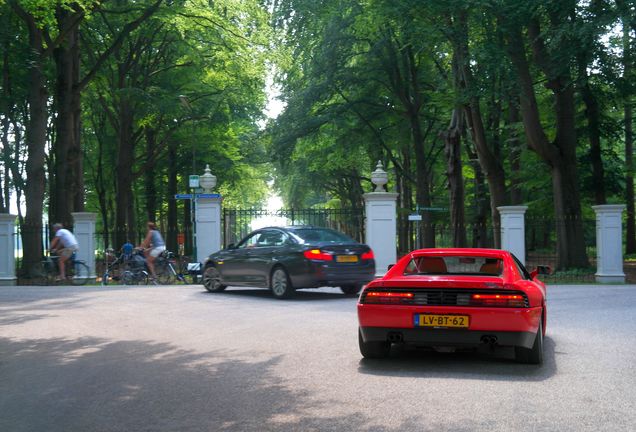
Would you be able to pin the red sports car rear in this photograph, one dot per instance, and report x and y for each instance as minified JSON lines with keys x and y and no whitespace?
{"x":455,"y":298}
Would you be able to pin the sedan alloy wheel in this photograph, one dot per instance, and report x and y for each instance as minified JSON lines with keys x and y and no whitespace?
{"x":212,"y":280}
{"x":281,"y":286}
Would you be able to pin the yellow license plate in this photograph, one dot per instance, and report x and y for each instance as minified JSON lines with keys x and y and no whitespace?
{"x":434,"y":320}
{"x":347,"y":258}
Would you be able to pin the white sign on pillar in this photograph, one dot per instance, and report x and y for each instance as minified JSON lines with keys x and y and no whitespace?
{"x":84,"y":231}
{"x":208,"y":226}
{"x":609,"y":243}
{"x":513,"y":230}
{"x":381,"y":228}
{"x":7,"y":249}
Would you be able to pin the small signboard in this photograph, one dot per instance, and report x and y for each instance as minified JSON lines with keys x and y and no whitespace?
{"x":183,"y":196}
{"x":415,"y":217}
{"x":180,"y":239}
{"x":194,"y":181}
{"x":208,"y":195}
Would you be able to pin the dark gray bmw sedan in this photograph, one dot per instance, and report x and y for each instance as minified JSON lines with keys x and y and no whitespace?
{"x":288,"y":258}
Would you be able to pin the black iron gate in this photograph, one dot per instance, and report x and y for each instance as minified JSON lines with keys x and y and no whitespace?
{"x":238,"y":223}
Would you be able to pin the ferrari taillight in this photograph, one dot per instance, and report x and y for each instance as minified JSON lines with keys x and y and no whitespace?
{"x":500,"y":300}
{"x":318,"y":255}
{"x":386,"y":297}
{"x":367,"y":255}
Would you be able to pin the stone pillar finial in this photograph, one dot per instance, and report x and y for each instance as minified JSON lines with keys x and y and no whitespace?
{"x":379,"y":177}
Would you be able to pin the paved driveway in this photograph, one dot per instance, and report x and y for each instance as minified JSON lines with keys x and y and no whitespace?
{"x":177,"y":358}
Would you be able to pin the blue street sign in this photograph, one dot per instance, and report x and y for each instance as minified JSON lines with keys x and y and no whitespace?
{"x":183,"y":196}
{"x":208,"y":195}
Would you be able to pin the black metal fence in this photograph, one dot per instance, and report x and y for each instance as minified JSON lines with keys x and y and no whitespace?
{"x":541,"y":248}
{"x":238,"y":223}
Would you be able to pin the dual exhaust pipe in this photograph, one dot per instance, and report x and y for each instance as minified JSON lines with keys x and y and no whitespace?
{"x":489,"y":339}
{"x":397,"y":337}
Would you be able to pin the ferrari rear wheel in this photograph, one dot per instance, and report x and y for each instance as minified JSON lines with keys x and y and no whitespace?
{"x":532,"y":355}
{"x":373,"y":350}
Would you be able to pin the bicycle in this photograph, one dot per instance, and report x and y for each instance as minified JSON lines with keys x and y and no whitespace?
{"x":165,"y":271}
{"x":47,"y":271}
{"x":129,"y":269}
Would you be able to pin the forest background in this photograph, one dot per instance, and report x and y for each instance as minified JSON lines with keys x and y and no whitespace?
{"x":108,"y":105}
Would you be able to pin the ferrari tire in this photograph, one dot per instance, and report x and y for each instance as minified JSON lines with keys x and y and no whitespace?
{"x":532,"y":355}
{"x":212,"y":280}
{"x":374,"y":349}
{"x":350,"y":289}
{"x":280,"y":284}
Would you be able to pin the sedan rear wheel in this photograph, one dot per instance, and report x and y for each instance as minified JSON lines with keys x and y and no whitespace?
{"x":280,"y":284}
{"x":532,"y":355}
{"x":212,"y":280}
{"x":350,"y":289}
{"x":373,"y":349}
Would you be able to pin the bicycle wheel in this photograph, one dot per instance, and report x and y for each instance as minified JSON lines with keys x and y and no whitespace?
{"x":40,"y":274}
{"x":80,"y":273}
{"x":165,"y":275}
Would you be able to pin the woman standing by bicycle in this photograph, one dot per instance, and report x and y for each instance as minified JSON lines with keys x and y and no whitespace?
{"x":69,"y":246}
{"x":153,"y":245}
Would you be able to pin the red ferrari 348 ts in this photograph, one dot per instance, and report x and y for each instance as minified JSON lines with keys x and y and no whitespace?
{"x":454,"y":298}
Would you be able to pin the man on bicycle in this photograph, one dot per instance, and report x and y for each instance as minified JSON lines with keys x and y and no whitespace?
{"x":68,"y":245}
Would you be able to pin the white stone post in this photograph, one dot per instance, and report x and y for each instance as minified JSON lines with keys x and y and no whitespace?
{"x":609,"y":243}
{"x":513,"y":230}
{"x":208,"y":225}
{"x":381,"y":222}
{"x":84,"y":230}
{"x":7,"y":249}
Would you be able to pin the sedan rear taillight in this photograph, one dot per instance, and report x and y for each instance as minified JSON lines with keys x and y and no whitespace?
{"x":500,"y":300}
{"x":317,"y":255}
{"x":386,"y":297}
{"x":367,"y":255}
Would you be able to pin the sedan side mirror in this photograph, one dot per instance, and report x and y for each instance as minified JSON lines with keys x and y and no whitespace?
{"x":541,"y":270}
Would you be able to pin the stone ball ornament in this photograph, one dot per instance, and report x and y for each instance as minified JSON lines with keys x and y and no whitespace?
{"x":207,"y":181}
{"x":379,"y":178}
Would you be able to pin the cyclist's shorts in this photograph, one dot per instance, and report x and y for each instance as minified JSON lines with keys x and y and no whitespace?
{"x":155,"y":252}
{"x":67,"y":252}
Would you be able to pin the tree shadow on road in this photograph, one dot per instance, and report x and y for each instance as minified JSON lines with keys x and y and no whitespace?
{"x":92,"y":384}
{"x":498,"y":365}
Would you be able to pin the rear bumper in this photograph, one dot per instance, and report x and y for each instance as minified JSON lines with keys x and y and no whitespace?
{"x":447,"y":337}
{"x":318,"y":275}
{"x":511,"y":326}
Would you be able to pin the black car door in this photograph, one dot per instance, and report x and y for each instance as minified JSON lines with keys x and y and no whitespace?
{"x":235,"y":266}
{"x":260,"y":258}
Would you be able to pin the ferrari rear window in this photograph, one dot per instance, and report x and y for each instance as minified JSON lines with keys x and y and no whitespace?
{"x":455,"y":265}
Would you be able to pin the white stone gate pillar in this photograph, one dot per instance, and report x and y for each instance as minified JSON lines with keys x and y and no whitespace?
{"x":609,"y":243}
{"x":208,"y":217}
{"x":513,"y":230}
{"x":7,"y":249}
{"x":84,"y":230}
{"x":381,"y":222}
{"x":208,"y":225}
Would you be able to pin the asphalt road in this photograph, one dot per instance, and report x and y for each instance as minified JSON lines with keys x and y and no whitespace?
{"x":177,"y":358}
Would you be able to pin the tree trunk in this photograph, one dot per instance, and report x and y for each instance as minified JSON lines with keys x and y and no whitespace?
{"x":488,"y":160}
{"x":630,"y":235}
{"x":452,"y":150}
{"x":36,"y":143}
{"x":173,"y":228}
{"x":592,"y":113}
{"x":124,"y":217}
{"x":559,"y":155}
{"x":514,"y":145}
{"x":149,"y":174}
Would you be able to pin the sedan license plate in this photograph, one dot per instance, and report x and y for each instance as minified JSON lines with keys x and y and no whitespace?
{"x":434,"y":320}
{"x":347,"y":258}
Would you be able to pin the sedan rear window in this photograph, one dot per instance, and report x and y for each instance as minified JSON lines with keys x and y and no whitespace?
{"x":455,"y":265}
{"x":315,"y":235}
